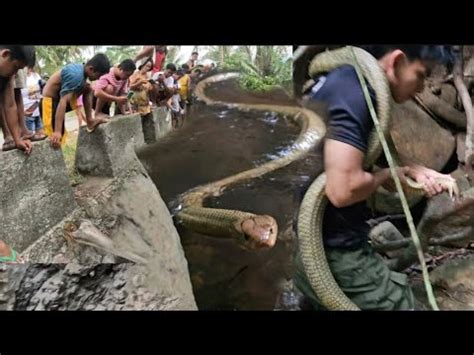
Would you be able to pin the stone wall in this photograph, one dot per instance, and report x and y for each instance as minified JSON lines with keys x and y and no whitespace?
{"x":40,"y":210}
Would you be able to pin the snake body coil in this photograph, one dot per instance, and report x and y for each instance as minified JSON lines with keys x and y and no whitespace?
{"x":253,"y":231}
{"x":249,"y":230}
{"x":312,"y":207}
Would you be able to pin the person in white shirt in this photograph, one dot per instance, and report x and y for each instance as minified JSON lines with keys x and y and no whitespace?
{"x":31,"y":100}
{"x":164,"y":85}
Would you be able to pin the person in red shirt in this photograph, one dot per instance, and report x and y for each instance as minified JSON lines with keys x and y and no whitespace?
{"x":158,"y":53}
{"x":113,"y":87}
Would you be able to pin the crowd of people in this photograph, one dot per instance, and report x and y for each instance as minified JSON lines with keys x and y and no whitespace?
{"x":34,"y":109}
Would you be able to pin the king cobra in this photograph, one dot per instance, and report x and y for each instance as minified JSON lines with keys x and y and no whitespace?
{"x":252,"y":231}
{"x":312,"y":207}
{"x":249,"y":230}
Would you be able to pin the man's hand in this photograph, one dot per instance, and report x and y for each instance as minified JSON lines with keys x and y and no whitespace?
{"x":428,"y":178}
{"x":122,"y":100}
{"x":25,"y":145}
{"x":56,"y":140}
{"x":403,"y":174}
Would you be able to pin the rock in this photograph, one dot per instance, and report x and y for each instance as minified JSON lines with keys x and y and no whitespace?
{"x":290,"y":298}
{"x":144,"y":226}
{"x":454,"y":284}
{"x":10,"y":277}
{"x":438,"y":71}
{"x":126,"y":210}
{"x":35,"y":194}
{"x":156,"y":124}
{"x":443,"y":217}
{"x":119,"y":283}
{"x":137,"y":280}
{"x":129,"y":209}
{"x":442,"y":108}
{"x":121,"y":296}
{"x":301,"y":58}
{"x":444,"y":222}
{"x":386,"y":232}
{"x":449,"y":94}
{"x":93,"y":287}
{"x":414,"y":131}
{"x":54,"y":246}
{"x":109,"y":259}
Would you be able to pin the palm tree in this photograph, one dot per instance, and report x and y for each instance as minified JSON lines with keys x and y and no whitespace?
{"x":52,"y":58}
{"x":247,"y":50}
{"x":265,"y":64}
{"x":269,"y":61}
{"x":118,"y":53}
{"x":219,"y":54}
{"x":173,"y":55}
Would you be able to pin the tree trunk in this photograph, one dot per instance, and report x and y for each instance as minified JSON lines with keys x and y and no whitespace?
{"x":248,"y":51}
{"x":467,"y":104}
{"x":221,"y":54}
{"x":263,"y":60}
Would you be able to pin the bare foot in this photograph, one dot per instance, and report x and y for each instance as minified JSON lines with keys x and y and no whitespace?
{"x":97,"y":121}
{"x":38,"y":137}
{"x":27,"y":135}
{"x":100,"y":114}
{"x":8,"y":144}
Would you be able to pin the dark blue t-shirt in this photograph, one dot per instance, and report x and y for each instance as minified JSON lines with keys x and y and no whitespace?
{"x":349,"y":122}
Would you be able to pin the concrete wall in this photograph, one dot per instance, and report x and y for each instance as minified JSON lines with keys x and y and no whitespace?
{"x":110,"y":148}
{"x":35,"y":194}
{"x":95,"y":156}
{"x":117,"y":197}
{"x":156,"y":125}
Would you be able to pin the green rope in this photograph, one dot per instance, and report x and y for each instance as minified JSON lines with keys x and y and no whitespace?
{"x":406,"y":209}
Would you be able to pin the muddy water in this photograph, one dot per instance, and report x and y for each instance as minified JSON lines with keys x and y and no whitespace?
{"x":216,"y":142}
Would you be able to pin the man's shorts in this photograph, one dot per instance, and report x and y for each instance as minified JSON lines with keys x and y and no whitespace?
{"x":363,"y":276}
{"x":33,"y":123}
{"x":48,"y":107}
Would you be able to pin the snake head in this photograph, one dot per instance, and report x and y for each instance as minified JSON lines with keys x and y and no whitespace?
{"x":258,"y":232}
{"x":454,"y":191}
{"x":451,"y":185}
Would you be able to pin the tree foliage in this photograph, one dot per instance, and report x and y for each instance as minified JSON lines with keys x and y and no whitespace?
{"x":262,"y":67}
